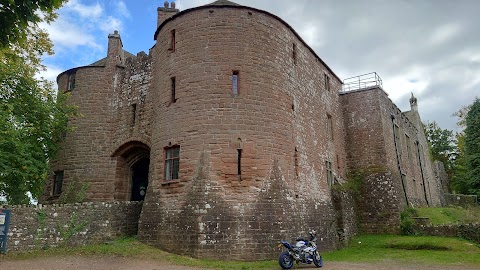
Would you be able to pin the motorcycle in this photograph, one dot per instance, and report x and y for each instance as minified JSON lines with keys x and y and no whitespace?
{"x":304,"y":251}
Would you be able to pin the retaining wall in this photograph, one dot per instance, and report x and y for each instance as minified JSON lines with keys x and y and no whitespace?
{"x":467,"y":231}
{"x":54,"y":225}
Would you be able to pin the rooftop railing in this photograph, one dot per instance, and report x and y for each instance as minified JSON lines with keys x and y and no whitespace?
{"x":361,"y":82}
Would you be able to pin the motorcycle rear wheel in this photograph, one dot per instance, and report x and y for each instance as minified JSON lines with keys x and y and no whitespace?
{"x":317,"y":260}
{"x":285,"y":260}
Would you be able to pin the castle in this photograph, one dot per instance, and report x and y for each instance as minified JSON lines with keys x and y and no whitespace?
{"x":235,"y":134}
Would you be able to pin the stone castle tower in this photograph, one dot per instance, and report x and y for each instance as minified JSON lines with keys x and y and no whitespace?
{"x":233,"y":132}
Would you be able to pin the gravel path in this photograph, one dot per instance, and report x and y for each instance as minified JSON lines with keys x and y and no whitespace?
{"x":121,"y":263}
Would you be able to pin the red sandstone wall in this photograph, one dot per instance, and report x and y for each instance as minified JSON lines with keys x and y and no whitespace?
{"x":132,"y":125}
{"x":282,"y":105}
{"x":85,"y":154}
{"x":389,"y":159}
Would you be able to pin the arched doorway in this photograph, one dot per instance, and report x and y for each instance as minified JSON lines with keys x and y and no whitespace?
{"x":139,"y":172}
{"x":131,"y":177}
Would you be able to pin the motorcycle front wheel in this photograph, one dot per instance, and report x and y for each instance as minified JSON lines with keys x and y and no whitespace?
{"x":285,"y":260}
{"x":317,"y":260}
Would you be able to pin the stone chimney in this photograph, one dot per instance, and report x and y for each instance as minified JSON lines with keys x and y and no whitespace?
{"x":115,"y":53}
{"x":413,"y":104}
{"x":166,"y":12}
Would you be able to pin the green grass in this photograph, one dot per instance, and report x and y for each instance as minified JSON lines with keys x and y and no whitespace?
{"x":450,"y":215}
{"x":408,"y":249}
{"x":366,"y":249}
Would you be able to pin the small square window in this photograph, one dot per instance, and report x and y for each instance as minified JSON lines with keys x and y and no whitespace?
{"x":57,"y":183}
{"x":172,"y":162}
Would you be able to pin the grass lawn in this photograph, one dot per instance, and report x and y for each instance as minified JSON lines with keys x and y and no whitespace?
{"x":366,"y":248}
{"x":450,"y":215}
{"x":408,"y":249}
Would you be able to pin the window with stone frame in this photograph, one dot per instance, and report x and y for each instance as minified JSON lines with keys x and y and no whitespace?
{"x":172,"y":162}
{"x":294,"y":53}
{"x":235,"y":78}
{"x":328,"y":167}
{"x":173,"y":86}
{"x":71,"y":81}
{"x":409,"y":147}
{"x":133,"y":114}
{"x":329,"y":127}
{"x":172,"y":41}
{"x":57,"y":183}
{"x":326,"y":80}
{"x":239,"y":162}
{"x":295,"y":160}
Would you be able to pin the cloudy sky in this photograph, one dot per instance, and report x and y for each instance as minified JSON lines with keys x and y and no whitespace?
{"x":428,"y":47}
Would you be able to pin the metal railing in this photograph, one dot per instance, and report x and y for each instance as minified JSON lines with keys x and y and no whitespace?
{"x":361,"y":82}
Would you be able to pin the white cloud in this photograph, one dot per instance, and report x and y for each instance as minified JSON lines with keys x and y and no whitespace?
{"x":110,"y":24}
{"x":444,"y":33}
{"x":122,"y":9}
{"x":50,"y":73}
{"x":65,"y":34}
{"x":311,"y":34}
{"x":85,"y":11}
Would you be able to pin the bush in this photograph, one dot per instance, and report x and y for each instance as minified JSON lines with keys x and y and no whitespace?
{"x":406,"y":221}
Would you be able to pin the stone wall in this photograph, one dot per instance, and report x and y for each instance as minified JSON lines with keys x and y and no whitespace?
{"x":467,"y":231}
{"x":287,"y":98}
{"x":388,"y":147}
{"x":461,"y":199}
{"x":54,"y":225}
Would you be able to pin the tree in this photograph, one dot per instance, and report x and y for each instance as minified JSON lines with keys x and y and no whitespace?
{"x":32,"y":118}
{"x":472,"y":147}
{"x":441,"y":144}
{"x":458,"y":182}
{"x":16,"y":16}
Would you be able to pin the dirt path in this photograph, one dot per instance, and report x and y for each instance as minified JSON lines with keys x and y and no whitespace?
{"x":120,"y":263}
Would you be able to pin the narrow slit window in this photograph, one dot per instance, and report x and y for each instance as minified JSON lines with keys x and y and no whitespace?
{"x":235,"y":77}
{"x":295,"y":157}
{"x":71,"y":81}
{"x":329,"y":127}
{"x":57,"y":183}
{"x":328,"y":166}
{"x":134,"y":114}
{"x":172,"y":40}
{"x":326,"y":79}
{"x":294,"y":53}
{"x":173,"y":98}
{"x":239,"y":162}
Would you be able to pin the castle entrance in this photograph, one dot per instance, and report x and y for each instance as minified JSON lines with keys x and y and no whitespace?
{"x":139,"y":172}
{"x":131,"y":176}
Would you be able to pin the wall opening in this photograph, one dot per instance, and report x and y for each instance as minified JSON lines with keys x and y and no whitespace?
{"x":131,"y":174}
{"x":139,"y":172}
